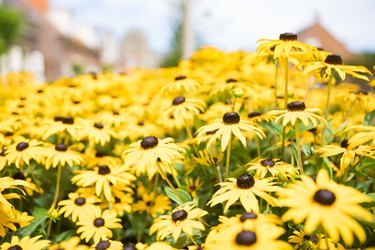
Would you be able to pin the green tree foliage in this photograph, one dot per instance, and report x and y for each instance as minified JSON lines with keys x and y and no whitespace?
{"x":11,"y":27}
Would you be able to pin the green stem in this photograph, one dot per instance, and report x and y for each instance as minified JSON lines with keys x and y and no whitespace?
{"x":234,"y":104}
{"x":219,"y":173}
{"x":283,"y":144}
{"x":34,"y":178}
{"x":258,"y":146}
{"x":192,"y":240}
{"x":228,"y":158}
{"x":286,"y":78}
{"x":56,"y":196}
{"x":165,"y":177}
{"x":299,"y":156}
{"x":275,"y":83}
{"x":326,"y":111}
{"x":188,"y":131}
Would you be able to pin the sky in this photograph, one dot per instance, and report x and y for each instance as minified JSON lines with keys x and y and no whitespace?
{"x":230,"y":24}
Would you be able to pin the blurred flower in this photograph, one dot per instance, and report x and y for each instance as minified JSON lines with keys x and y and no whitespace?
{"x":71,"y":243}
{"x":181,"y":107}
{"x":108,"y":244}
{"x":275,"y":167}
{"x":25,"y":243}
{"x":60,"y":154}
{"x":22,"y":152}
{"x":77,"y":205}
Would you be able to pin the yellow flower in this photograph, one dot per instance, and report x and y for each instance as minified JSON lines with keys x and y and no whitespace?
{"x":245,"y":188}
{"x":298,"y":111}
{"x":229,"y":124}
{"x":25,"y":243}
{"x":152,"y":203}
{"x":103,"y":177}
{"x":77,"y":205}
{"x":71,"y":243}
{"x":181,"y":84}
{"x":193,"y":186}
{"x":97,"y":224}
{"x":350,"y":153}
{"x":60,"y":154}
{"x":313,"y":241}
{"x":332,"y":64}
{"x":22,"y":152}
{"x":181,"y":107}
{"x":108,"y":244}
{"x":183,"y":219}
{"x":97,"y":133}
{"x":275,"y":167}
{"x":146,"y":152}
{"x":327,"y":205}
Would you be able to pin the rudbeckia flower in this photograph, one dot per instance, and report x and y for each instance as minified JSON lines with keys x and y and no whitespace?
{"x":97,"y":133}
{"x":152,"y":203}
{"x":312,"y":241}
{"x":60,"y":154}
{"x":275,"y":167}
{"x":77,"y":205}
{"x":25,"y":243}
{"x":349,"y":153}
{"x":24,"y":151}
{"x":181,"y":84}
{"x":229,"y":124}
{"x":146,"y":152}
{"x":183,"y":219}
{"x":244,"y":189}
{"x":108,"y":244}
{"x":97,"y":225}
{"x":102,"y":177}
{"x":327,"y":205}
{"x":298,"y":111}
{"x":181,"y":107}
{"x":333,"y":63}
{"x":59,"y":125}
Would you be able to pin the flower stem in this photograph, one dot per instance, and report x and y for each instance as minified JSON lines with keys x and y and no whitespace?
{"x":299,"y":156}
{"x":228,"y":158}
{"x":192,"y":240}
{"x":275,"y":83}
{"x":258,"y":146}
{"x":219,"y":174}
{"x":286,"y":78}
{"x":56,"y":196}
{"x":234,"y":104}
{"x":165,"y":177}
{"x":326,"y":112}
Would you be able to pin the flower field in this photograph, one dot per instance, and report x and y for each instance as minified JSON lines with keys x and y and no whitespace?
{"x":267,"y":150}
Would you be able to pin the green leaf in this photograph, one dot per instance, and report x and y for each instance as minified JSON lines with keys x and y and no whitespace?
{"x":40,"y":216}
{"x":369,"y":118}
{"x":173,"y":196}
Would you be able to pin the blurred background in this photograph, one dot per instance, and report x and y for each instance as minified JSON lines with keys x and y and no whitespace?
{"x":53,"y":38}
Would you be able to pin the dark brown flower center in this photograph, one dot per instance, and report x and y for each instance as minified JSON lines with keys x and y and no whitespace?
{"x":2,"y":153}
{"x":211,"y":132}
{"x":16,"y":247}
{"x":115,"y":113}
{"x":253,"y":114}
{"x":103,"y":170}
{"x":8,"y":134}
{"x":246,"y":238}
{"x":104,"y":244}
{"x":193,"y":187}
{"x":267,"y":163}
{"x":98,"y":125}
{"x":178,"y":100}
{"x":98,"y":222}
{"x":296,"y":106}
{"x":179,"y":215}
{"x":68,"y":120}
{"x":248,"y":216}
{"x":288,"y":36}
{"x":312,"y":238}
{"x":231,"y":118}
{"x":149,"y":142}
{"x":141,"y":123}
{"x":333,"y":59}
{"x":100,"y":154}
{"x":344,"y":143}
{"x":129,"y":247}
{"x":80,"y":201}
{"x":179,"y":78}
{"x":245,"y":181}
{"x":58,"y":118}
{"x":324,"y":197}
{"x":61,"y":147}
{"x":22,"y":146}
{"x":19,"y":176}
{"x":229,"y":80}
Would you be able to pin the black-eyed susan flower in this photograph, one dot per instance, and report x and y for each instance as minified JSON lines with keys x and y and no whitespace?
{"x":60,"y":125}
{"x":350,"y":154}
{"x":165,"y":245}
{"x":97,"y":225}
{"x":71,"y":243}
{"x":230,"y":124}
{"x":146,"y":152}
{"x":3,"y":161}
{"x":96,"y":132}
{"x":77,"y":205}
{"x":182,"y":108}
{"x":22,"y":152}
{"x":193,"y":185}
{"x":8,"y":183}
{"x":102,"y":177}
{"x":275,"y":167}
{"x":327,"y":205}
{"x":245,"y":189}
{"x":25,"y":243}
{"x":108,"y":244}
{"x":297,"y":111}
{"x":61,"y":154}
{"x":181,"y":84}
{"x":312,"y":241}
{"x":182,"y":219}
{"x":20,"y":219}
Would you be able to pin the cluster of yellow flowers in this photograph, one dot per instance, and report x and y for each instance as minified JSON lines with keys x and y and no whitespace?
{"x":213,"y":154}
